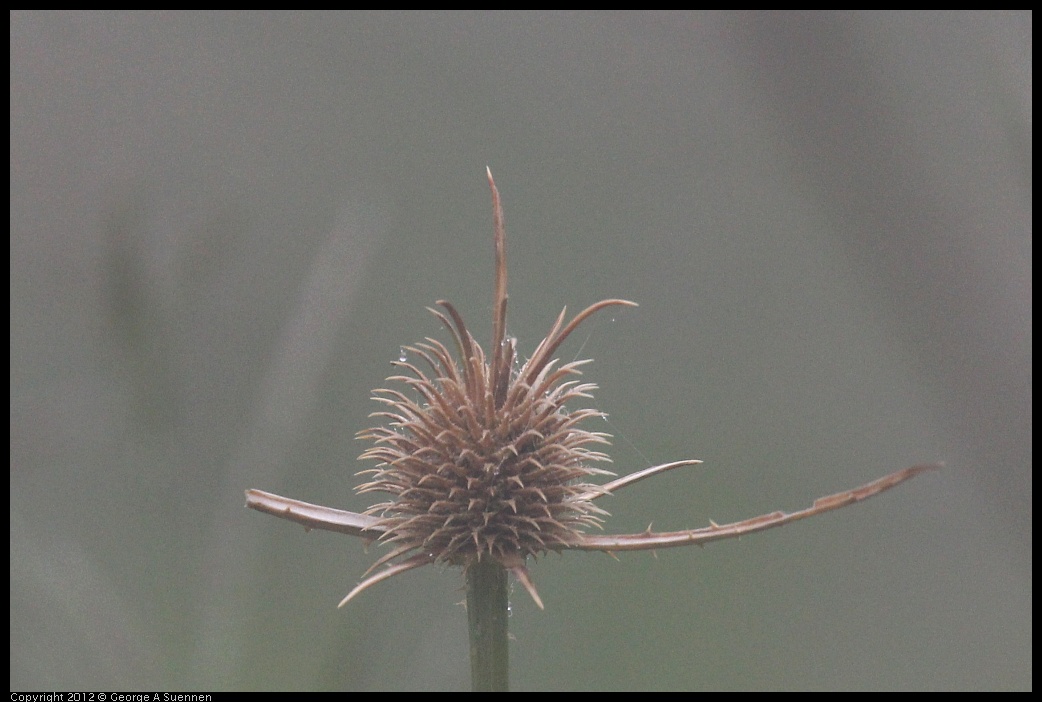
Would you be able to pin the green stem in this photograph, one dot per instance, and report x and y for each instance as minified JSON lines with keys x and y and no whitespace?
{"x":487,"y":618}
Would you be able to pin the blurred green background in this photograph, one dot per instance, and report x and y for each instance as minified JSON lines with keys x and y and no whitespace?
{"x":224,"y":225}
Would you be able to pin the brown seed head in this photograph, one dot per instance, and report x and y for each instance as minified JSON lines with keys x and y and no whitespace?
{"x":484,"y":460}
{"x":482,"y":456}
{"x":473,"y":475}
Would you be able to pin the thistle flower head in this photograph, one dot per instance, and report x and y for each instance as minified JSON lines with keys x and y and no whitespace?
{"x":485,"y":458}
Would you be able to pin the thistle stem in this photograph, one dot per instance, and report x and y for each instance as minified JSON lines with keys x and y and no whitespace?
{"x":487,"y":619}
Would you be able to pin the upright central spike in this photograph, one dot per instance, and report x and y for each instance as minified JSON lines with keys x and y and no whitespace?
{"x":501,"y":355}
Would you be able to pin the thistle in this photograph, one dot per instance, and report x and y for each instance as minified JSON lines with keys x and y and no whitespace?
{"x":486,"y":464}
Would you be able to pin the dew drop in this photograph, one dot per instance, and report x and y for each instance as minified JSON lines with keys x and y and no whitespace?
{"x":403,"y":355}
{"x":510,"y":609}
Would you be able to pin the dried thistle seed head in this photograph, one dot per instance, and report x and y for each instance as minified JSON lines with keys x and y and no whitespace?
{"x":486,"y":461}
{"x":482,"y":458}
{"x":472,"y":476}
